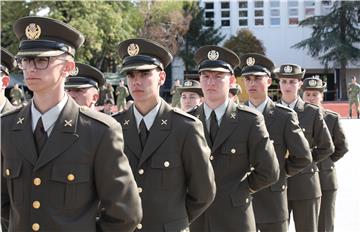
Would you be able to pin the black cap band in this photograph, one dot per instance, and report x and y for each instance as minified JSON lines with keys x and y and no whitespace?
{"x":46,"y":44}
{"x":254,"y":69}
{"x":215,"y":64}
{"x":142,"y":59}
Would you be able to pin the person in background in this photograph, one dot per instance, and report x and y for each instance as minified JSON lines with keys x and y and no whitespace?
{"x":313,"y":92}
{"x":71,"y":158}
{"x":109,"y":92}
{"x":292,"y":149}
{"x":353,"y":94}
{"x":83,"y":85}
{"x":108,"y":107}
{"x":190,"y":95}
{"x":8,"y":63}
{"x":166,"y":147}
{"x":122,"y":93}
{"x":242,"y":154}
{"x":304,"y":191}
{"x":175,"y":99}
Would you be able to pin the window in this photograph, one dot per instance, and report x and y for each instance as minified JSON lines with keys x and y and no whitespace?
{"x":274,"y":12}
{"x":293,"y":12}
{"x":209,"y":14}
{"x":225,"y":23}
{"x":309,"y":8}
{"x":225,"y":5}
{"x":225,"y":14}
{"x":259,"y":13}
{"x":243,"y":13}
{"x":209,"y":5}
{"x":209,"y":23}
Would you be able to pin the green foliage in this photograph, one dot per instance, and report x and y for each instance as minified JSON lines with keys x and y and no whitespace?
{"x":245,"y":42}
{"x":198,"y":35}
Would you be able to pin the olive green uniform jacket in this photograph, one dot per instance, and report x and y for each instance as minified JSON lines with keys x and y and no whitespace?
{"x":81,"y":165}
{"x":173,"y":172}
{"x":244,"y":162}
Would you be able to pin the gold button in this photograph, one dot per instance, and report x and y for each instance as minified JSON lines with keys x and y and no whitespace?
{"x":71,"y":177}
{"x":247,"y":200}
{"x":211,"y":157}
{"x":332,"y":167}
{"x":37,"y":181}
{"x":233,"y":151}
{"x":35,"y":227}
{"x":141,"y":171}
{"x":271,"y":141}
{"x":139,"y":226}
{"x":36,"y":204}
{"x":166,"y":163}
{"x":303,"y":129}
{"x":7,"y":172}
{"x":312,"y":170}
{"x":140,"y":189}
{"x":283,"y":187}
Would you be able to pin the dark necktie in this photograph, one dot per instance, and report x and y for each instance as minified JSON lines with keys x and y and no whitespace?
{"x":143,"y":134}
{"x":40,"y":136}
{"x":214,"y":127}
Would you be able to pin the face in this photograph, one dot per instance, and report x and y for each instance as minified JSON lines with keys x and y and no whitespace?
{"x":215,"y":85}
{"x":313,"y":96}
{"x":84,"y":97}
{"x":189,"y":100}
{"x":257,"y":86}
{"x":289,"y":87}
{"x":144,"y":85}
{"x":41,"y":78}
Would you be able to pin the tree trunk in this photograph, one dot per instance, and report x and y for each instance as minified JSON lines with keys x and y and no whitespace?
{"x":343,"y":85}
{"x":343,"y":61}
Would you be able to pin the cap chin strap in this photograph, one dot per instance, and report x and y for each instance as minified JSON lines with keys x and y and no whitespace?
{"x":46,"y":44}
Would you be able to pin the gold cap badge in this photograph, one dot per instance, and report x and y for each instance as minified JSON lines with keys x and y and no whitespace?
{"x":312,"y":83}
{"x":75,"y":71}
{"x":250,"y":61}
{"x":133,"y":49}
{"x":187,"y":83}
{"x":33,"y":31}
{"x":213,"y":55}
{"x":288,"y":69}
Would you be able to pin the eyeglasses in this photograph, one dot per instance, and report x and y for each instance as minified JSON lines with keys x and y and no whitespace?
{"x":40,"y":63}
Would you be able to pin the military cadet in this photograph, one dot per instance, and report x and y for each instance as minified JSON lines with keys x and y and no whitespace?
{"x":83,"y":85}
{"x":242,"y":155}
{"x":313,"y":93}
{"x":74,"y":160}
{"x":191,"y":95}
{"x":353,"y":94}
{"x":304,"y":190}
{"x":108,"y":107}
{"x":292,"y":149}
{"x":175,"y":99}
{"x":122,"y":93}
{"x":234,"y":90}
{"x":8,"y":63}
{"x":17,"y":95}
{"x":166,"y":147}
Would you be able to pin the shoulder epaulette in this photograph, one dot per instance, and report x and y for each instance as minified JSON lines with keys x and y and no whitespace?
{"x":178,"y":111}
{"x":98,"y":116}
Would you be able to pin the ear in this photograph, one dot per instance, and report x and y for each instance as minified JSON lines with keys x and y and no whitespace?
{"x":269,"y":81}
{"x":162,"y":75}
{"x":95,"y":98}
{"x":232,"y":79}
{"x":69,"y":67}
{"x":5,"y":80}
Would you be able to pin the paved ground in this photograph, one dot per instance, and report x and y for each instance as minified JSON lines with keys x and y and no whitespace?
{"x":348,"y":172}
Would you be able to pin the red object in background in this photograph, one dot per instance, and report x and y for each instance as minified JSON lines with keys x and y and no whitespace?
{"x":340,"y":107}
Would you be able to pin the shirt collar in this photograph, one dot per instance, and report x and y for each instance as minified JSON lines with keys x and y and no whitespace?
{"x":48,"y":118}
{"x":149,"y":118}
{"x":219,"y":111}
{"x":291,"y":105}
{"x":260,"y":107}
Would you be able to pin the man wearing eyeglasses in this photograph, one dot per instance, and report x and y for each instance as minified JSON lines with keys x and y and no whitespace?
{"x":83,"y":85}
{"x":71,"y":159}
{"x":8,"y":63}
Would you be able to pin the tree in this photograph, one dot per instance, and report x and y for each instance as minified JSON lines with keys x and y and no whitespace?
{"x":245,"y":42}
{"x":334,"y":38}
{"x":198,"y":35}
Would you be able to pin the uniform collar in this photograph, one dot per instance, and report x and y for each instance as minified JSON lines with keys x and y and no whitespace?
{"x":48,"y":118}
{"x":219,"y":111}
{"x":149,"y":118}
{"x":291,"y":105}
{"x":260,"y":107}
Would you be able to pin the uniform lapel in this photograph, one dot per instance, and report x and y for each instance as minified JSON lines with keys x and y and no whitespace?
{"x":158,"y":132}
{"x":22,"y":131}
{"x":228,"y":124}
{"x":7,"y":107}
{"x":199,"y":113}
{"x":269,"y":113}
{"x":131,"y":133}
{"x":299,"y":108}
{"x":63,"y":135}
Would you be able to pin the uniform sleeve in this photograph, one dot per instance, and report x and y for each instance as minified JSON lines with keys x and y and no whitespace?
{"x":264,"y":164}
{"x":116,"y":186}
{"x":340,"y":143}
{"x":5,"y":202}
{"x":199,"y":172}
{"x":298,"y":147}
{"x":323,"y":145}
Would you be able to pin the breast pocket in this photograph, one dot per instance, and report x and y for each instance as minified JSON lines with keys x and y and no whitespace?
{"x":15,"y":183}
{"x":167,"y":171}
{"x":70,"y":186}
{"x":235,"y":154}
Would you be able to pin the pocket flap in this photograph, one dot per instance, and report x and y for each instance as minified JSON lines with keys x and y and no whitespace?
{"x":233,"y":148}
{"x":71,"y":173}
{"x":12,"y":168}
